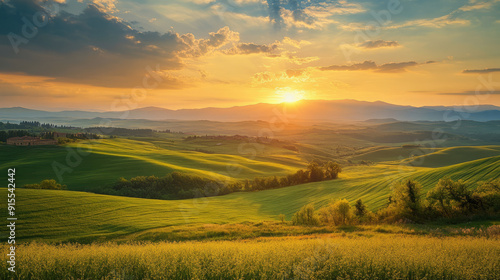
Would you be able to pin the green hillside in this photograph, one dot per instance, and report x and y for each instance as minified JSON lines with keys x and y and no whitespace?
{"x":70,"y":215}
{"x":96,"y":163}
{"x":428,"y":157}
{"x":454,"y":155}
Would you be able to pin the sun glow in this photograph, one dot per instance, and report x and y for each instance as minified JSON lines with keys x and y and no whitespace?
{"x":288,"y":95}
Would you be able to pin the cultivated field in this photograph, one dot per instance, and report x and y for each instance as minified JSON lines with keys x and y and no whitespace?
{"x":352,"y":257}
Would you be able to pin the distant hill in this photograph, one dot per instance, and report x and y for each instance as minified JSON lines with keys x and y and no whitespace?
{"x":318,"y":110}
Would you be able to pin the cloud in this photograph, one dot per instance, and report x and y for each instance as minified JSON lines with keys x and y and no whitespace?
{"x":99,"y":49}
{"x":107,"y":6}
{"x":471,"y":92}
{"x":393,"y":67}
{"x":367,"y":65}
{"x":274,"y":8}
{"x":295,"y":43}
{"x":449,"y":19}
{"x":193,"y":47}
{"x":251,"y":48}
{"x":486,"y":70}
{"x":475,"y":5}
{"x":378,"y":44}
{"x":396,"y":67}
{"x":438,"y":22}
{"x":295,"y":76}
{"x":305,"y":14}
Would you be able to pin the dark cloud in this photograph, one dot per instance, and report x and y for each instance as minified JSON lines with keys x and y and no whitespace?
{"x":93,"y":47}
{"x":481,"y":71}
{"x":274,"y":8}
{"x":378,"y":44}
{"x":310,"y":14}
{"x":251,"y":48}
{"x":393,"y":67}
{"x":297,"y":10}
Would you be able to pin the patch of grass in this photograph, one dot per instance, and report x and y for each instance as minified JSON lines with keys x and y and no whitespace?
{"x":357,"y":257}
{"x":68,"y":215}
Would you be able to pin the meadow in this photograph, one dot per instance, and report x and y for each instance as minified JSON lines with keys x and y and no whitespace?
{"x":325,"y":257}
{"x":240,"y":235}
{"x":83,"y":216}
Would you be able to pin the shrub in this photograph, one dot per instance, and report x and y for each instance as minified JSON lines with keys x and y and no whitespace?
{"x":282,"y":218}
{"x":489,"y":195}
{"x":454,"y":195}
{"x":406,"y":200}
{"x":360,"y":208}
{"x":493,"y":231}
{"x":336,"y":212}
{"x":47,"y":185}
{"x":306,"y":216}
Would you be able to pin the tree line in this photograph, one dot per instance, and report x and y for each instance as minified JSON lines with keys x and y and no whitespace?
{"x":177,"y":185}
{"x":4,"y":135}
{"x":144,"y":132}
{"x":447,"y":200}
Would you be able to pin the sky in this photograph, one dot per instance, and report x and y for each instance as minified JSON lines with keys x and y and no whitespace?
{"x":124,"y":54}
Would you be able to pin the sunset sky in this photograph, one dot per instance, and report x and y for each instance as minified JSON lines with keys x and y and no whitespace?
{"x":124,"y":54}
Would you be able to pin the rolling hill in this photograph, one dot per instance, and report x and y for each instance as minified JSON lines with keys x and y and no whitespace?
{"x":77,"y":216}
{"x":90,"y":164}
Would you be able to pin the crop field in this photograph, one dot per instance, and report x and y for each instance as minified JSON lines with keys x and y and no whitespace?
{"x":238,"y":235}
{"x":353,"y":257}
{"x":80,"y":216}
{"x":85,"y":165}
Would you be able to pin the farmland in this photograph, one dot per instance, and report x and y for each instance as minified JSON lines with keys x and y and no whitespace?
{"x":95,"y":236}
{"x":326,"y":257}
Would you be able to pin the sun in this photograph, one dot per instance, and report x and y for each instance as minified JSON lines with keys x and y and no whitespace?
{"x":288,"y":95}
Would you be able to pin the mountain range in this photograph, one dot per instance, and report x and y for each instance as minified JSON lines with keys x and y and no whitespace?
{"x":318,"y":110}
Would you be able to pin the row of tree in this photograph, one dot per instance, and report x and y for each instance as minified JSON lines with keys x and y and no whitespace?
{"x":46,"y":185}
{"x":140,"y":132}
{"x":178,"y":185}
{"x":447,"y":200}
{"x":4,"y":135}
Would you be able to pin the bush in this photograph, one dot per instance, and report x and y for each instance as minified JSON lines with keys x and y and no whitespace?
{"x":282,"y":218}
{"x":360,"y":208}
{"x":47,"y":185}
{"x":406,"y":201}
{"x":488,"y":193}
{"x":336,"y":213}
{"x":306,"y":216}
{"x":455,"y":197}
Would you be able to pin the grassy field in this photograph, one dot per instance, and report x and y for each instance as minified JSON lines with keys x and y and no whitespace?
{"x":79,"y":216}
{"x":100,"y":162}
{"x":327,"y":257}
{"x":428,"y":157}
{"x":238,"y":236}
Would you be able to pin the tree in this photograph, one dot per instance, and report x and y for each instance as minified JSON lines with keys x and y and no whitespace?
{"x":336,"y":212}
{"x":359,"y":208}
{"x":406,"y":199}
{"x":47,"y":185}
{"x":332,"y":170}
{"x":440,"y":196}
{"x":489,"y":195}
{"x":456,"y":192}
{"x":306,"y":216}
{"x":316,"y":173}
{"x":342,"y":211}
{"x":282,"y":218}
